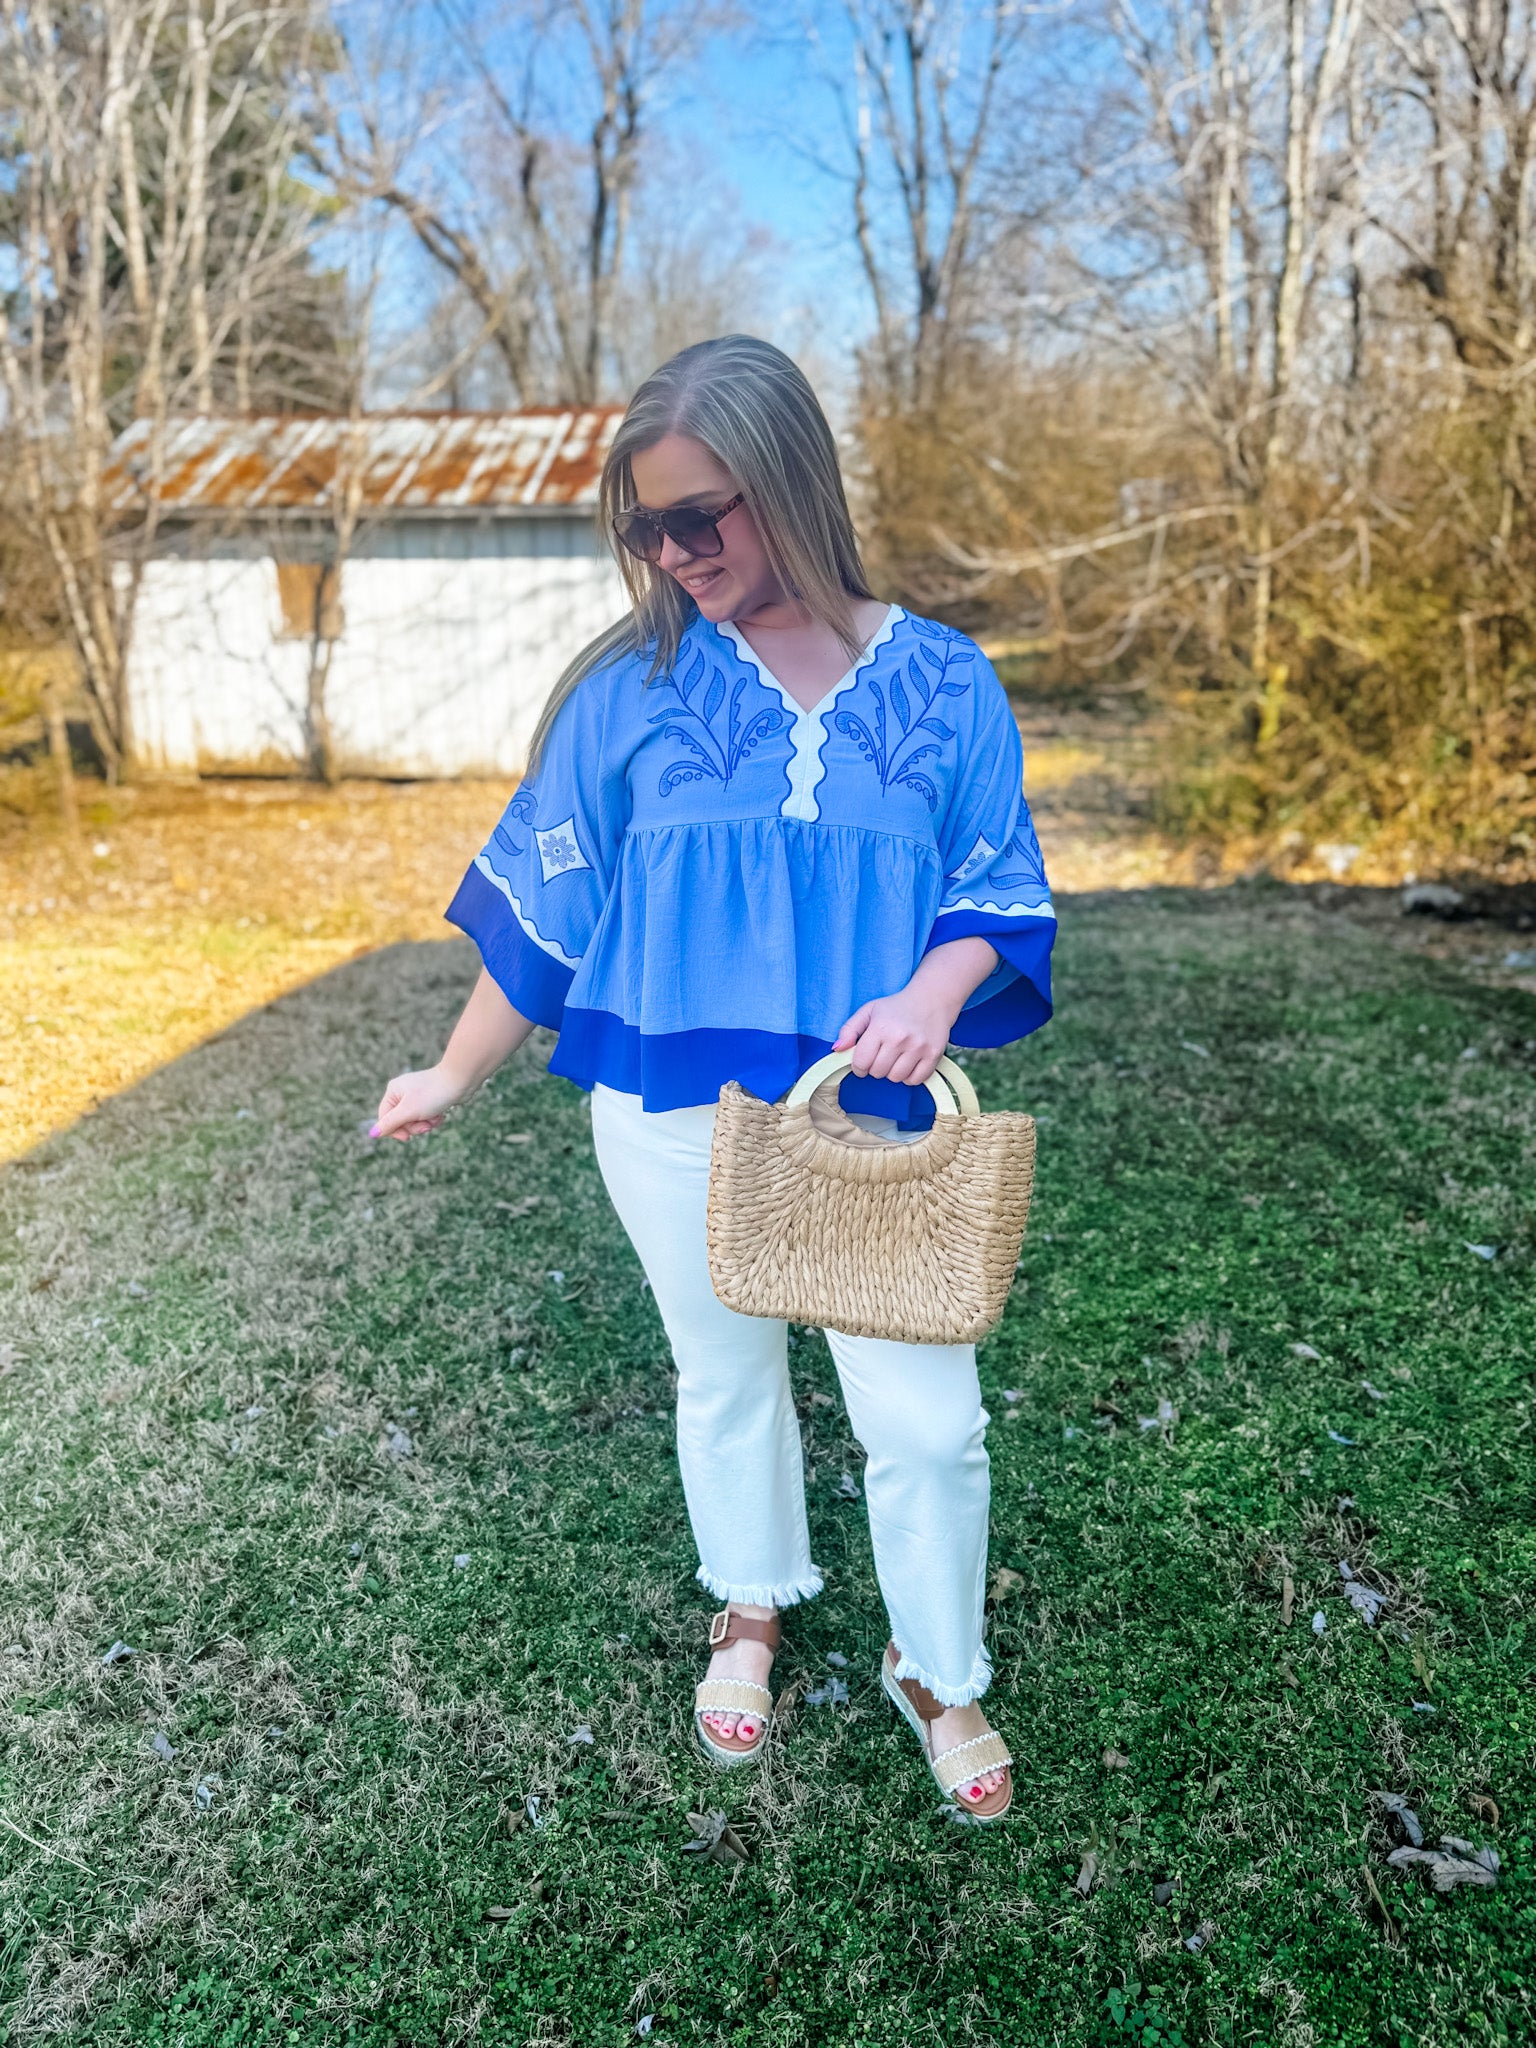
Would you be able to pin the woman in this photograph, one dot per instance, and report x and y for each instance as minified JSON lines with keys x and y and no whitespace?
{"x":767,"y":815}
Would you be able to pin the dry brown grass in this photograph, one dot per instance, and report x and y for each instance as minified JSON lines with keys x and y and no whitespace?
{"x":212,"y":899}
{"x":196,"y":905}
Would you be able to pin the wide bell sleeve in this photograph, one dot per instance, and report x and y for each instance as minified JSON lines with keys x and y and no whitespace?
{"x":994,"y":878}
{"x":532,"y":897}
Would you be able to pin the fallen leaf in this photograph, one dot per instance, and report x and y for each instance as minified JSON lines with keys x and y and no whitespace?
{"x":837,"y":1660}
{"x":1087,"y":1872}
{"x":1364,"y":1599}
{"x":500,"y":1913}
{"x":1103,"y":1407}
{"x":398,"y":1442}
{"x":1288,"y":1677}
{"x":1395,"y":1804}
{"x":715,"y":1840}
{"x":1484,"y":1251}
{"x":821,"y":1400}
{"x":1485,"y":1808}
{"x":1454,"y":1862}
{"x":1287,"y":1600}
{"x":1305,"y":1351}
{"x":1013,"y":1393}
{"x":1336,"y":1438}
{"x":1004,"y":1582}
{"x":1165,"y":1418}
{"x":461,"y":1561}
{"x":581,"y":1734}
{"x":1200,"y":1938}
{"x":1116,"y":1760}
{"x":848,"y":1486}
{"x":116,"y":1655}
{"x":1422,"y":1706}
{"x":162,"y":1748}
{"x":1163,"y":1893}
{"x":833,"y":1694}
{"x":644,"y":2024}
{"x":1319,"y":1622}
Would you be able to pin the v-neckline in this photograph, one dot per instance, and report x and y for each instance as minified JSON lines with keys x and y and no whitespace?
{"x":749,"y":653}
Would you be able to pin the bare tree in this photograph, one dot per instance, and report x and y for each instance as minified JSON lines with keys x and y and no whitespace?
{"x":516,"y":157}
{"x":157,"y":245}
{"x":918,"y":85}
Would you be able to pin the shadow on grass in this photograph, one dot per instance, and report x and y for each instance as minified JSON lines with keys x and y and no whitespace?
{"x":346,"y":1472}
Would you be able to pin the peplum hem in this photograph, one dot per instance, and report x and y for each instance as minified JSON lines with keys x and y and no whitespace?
{"x":681,"y":1069}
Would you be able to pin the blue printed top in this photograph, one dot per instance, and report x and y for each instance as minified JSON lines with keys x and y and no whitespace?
{"x":703,"y":881}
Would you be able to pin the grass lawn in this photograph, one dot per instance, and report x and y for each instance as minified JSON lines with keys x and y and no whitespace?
{"x":366,"y":1455}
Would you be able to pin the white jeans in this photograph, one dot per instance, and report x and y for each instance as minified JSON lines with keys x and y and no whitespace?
{"x":915,"y":1408}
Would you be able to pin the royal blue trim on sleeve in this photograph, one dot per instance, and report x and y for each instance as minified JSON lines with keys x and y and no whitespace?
{"x":533,"y":982}
{"x":1023,"y":1004}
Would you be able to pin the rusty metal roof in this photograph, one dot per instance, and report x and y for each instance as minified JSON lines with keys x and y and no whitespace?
{"x":546,"y":458}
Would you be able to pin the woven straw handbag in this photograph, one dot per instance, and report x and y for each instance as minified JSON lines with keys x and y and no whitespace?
{"x":813,"y":1219}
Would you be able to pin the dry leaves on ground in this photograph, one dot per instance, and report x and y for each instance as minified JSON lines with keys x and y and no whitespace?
{"x":714,"y":1840}
{"x":1454,"y":1862}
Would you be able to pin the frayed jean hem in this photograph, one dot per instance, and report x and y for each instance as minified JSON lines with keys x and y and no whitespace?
{"x":788,"y":1593}
{"x":951,"y":1695}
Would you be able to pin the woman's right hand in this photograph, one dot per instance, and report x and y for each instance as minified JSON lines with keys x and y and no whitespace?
{"x":414,"y":1104}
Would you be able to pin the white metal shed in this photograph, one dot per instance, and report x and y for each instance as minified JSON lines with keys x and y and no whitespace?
{"x":473,"y":574}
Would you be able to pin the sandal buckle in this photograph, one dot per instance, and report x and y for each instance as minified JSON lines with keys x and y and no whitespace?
{"x":719,"y":1628}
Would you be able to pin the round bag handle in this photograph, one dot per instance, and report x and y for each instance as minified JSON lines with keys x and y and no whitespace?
{"x":962,"y":1102}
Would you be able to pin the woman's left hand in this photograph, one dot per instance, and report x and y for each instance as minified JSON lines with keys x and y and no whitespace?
{"x":902,"y":1037}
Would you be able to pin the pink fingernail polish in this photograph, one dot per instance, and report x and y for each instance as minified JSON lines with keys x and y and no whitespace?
{"x":374,"y":1132}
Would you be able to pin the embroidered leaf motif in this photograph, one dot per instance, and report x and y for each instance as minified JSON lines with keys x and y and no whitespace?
{"x":852,"y":727}
{"x":719,"y":752}
{"x":522,"y":808}
{"x":896,"y":758}
{"x":924,"y":789}
{"x":681,"y":732}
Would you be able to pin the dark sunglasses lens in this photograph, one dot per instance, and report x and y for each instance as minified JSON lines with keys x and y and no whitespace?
{"x":640,"y":534}
{"x":695,"y":532}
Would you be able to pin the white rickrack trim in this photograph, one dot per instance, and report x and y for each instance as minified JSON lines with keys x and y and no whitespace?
{"x":951,"y":1775}
{"x":974,"y":1743}
{"x":725,"y":1695}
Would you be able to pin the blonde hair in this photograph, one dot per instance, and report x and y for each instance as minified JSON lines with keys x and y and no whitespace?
{"x":754,"y":410}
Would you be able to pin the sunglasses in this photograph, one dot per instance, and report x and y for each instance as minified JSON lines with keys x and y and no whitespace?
{"x":694,"y":530}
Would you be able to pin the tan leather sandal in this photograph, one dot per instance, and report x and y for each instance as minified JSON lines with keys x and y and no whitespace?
{"x":951,"y":1767}
{"x":734,"y":1695}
